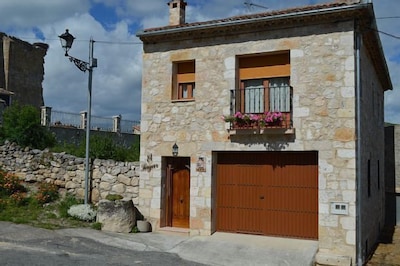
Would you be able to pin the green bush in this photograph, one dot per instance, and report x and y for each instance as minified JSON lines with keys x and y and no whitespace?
{"x":21,"y":124}
{"x":47,"y":193}
{"x":102,"y":148}
{"x":10,"y":184}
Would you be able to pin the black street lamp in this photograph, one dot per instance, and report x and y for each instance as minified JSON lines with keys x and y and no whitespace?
{"x":66,"y":42}
{"x":175,"y":149}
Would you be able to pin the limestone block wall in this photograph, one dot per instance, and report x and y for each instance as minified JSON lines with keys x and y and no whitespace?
{"x":68,"y":172}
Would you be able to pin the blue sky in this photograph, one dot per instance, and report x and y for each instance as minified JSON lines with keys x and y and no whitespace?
{"x":113,"y":25}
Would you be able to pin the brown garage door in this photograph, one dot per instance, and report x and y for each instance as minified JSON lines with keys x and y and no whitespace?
{"x":268,"y":193}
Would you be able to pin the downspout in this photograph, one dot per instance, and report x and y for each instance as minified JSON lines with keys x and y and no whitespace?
{"x":359,"y":247}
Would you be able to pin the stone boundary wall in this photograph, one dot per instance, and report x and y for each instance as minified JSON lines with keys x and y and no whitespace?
{"x":68,"y":172}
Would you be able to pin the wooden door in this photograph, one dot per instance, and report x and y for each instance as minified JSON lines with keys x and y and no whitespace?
{"x":180,"y":198}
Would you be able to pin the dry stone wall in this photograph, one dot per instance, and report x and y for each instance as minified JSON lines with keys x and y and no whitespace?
{"x":68,"y":172}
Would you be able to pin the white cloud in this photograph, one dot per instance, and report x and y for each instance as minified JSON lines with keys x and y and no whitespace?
{"x":117,"y":79}
{"x":28,"y":13}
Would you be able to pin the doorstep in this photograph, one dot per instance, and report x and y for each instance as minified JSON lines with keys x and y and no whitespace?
{"x":174,"y":230}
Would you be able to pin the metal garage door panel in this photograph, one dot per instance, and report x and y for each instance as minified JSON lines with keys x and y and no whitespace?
{"x":270,"y":193}
{"x":239,"y":205}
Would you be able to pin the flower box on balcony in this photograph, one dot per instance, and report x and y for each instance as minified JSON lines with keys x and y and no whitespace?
{"x":267,"y":123}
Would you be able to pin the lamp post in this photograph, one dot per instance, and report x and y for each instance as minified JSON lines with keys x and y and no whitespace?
{"x":66,"y":42}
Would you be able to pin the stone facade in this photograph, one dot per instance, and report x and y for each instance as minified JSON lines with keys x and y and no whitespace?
{"x":68,"y":172}
{"x":323,"y":75}
{"x":21,"y":69}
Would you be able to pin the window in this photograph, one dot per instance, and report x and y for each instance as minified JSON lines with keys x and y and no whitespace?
{"x":184,"y":81}
{"x":264,"y":84}
{"x":261,"y":95}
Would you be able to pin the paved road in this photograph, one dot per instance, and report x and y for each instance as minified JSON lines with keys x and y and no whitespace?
{"x":24,"y":245}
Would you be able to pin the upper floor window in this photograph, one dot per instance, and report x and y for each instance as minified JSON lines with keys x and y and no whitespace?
{"x":262,"y":95}
{"x":184,"y":81}
{"x":264,"y":83}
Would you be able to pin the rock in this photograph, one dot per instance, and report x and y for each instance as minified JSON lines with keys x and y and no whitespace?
{"x":116,"y":216}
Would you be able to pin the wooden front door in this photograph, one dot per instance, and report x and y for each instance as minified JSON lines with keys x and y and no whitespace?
{"x":176,"y":192}
{"x":180,"y":198}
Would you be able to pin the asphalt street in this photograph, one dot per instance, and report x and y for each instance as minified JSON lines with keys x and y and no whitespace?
{"x":24,"y":245}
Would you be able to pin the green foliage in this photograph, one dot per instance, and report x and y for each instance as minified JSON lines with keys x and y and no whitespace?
{"x":102,"y":148}
{"x":10,"y":185}
{"x":47,"y":193}
{"x":113,"y":197}
{"x":20,"y":208}
{"x":18,"y":213}
{"x":96,"y":226}
{"x":21,"y":124}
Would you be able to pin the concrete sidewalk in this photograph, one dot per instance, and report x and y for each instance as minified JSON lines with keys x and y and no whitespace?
{"x":218,"y":249}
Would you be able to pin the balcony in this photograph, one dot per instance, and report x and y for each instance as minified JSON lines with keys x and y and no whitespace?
{"x":250,"y":111}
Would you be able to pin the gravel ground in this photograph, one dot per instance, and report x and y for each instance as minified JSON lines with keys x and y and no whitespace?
{"x":387,"y":254}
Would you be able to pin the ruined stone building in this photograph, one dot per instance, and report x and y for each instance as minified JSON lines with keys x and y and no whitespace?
{"x":21,"y":71}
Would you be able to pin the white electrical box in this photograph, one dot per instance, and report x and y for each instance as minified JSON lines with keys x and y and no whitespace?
{"x":340,"y":208}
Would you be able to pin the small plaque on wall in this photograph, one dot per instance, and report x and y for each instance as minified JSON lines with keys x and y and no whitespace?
{"x":201,"y":164}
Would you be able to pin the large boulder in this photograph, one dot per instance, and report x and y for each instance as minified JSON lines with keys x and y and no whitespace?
{"x":116,"y":216}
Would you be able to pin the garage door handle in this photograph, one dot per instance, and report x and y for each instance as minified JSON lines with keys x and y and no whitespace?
{"x":261,"y":197}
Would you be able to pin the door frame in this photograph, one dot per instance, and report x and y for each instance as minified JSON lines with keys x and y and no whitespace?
{"x":169,"y":164}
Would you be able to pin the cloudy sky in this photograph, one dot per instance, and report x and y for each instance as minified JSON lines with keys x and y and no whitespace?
{"x":113,"y":25}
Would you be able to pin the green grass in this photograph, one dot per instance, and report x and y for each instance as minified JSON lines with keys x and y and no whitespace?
{"x":50,"y":216}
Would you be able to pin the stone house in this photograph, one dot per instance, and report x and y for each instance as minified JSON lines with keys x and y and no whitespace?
{"x":315,"y":173}
{"x":21,"y":71}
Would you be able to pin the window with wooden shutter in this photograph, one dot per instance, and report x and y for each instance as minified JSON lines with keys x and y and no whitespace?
{"x":264,"y":84}
{"x":184,"y":81}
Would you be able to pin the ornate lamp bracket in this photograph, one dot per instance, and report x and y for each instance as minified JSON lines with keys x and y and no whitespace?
{"x":82,"y":65}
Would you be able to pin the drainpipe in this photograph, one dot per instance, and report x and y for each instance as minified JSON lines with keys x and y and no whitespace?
{"x":359,"y":247}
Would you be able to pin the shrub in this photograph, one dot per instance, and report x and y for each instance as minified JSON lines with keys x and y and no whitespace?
{"x":66,"y":203}
{"x":83,"y":212}
{"x":10,"y":184}
{"x":18,"y":198}
{"x":102,"y":148}
{"x":47,"y":193}
{"x":21,"y":124}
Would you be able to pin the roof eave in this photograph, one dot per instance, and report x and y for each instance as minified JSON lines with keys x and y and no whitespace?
{"x":187,"y":28}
